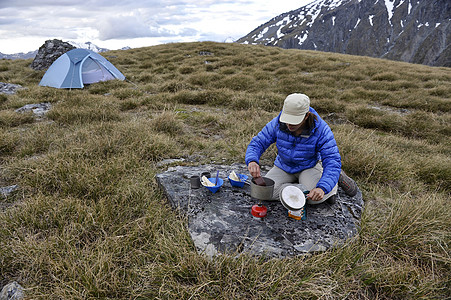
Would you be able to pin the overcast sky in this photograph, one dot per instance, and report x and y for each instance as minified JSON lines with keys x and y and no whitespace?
{"x":26,"y":24}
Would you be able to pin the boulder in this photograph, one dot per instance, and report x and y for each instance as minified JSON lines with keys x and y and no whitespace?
{"x":49,"y":52}
{"x":5,"y":193}
{"x":7,"y":190}
{"x":221,"y":222}
{"x":9,"y":88}
{"x":39,"y":109}
{"x":12,"y":291}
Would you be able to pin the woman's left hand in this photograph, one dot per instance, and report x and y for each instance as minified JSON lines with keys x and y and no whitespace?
{"x":316,"y":194}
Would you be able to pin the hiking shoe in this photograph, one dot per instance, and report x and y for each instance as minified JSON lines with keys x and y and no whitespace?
{"x":347,"y":184}
{"x":332,"y":199}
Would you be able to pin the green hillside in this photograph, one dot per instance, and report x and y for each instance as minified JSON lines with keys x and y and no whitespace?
{"x":89,"y":221}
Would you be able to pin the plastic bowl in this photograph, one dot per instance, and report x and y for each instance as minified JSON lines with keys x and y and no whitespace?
{"x":238,"y":183}
{"x":215,"y":188}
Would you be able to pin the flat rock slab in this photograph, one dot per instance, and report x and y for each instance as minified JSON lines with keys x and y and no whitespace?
{"x":222,"y":222}
{"x":39,"y":109}
{"x":7,"y":190}
{"x":9,"y":88}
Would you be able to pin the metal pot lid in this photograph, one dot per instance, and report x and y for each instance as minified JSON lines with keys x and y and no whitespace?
{"x":292,"y":198}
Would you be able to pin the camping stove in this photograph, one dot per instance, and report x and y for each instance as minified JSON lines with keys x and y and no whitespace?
{"x":261,"y":192}
{"x":259,"y":211}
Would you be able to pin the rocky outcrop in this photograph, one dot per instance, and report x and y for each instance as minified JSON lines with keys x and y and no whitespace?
{"x":49,"y":52}
{"x":12,"y":291}
{"x":222,"y":222}
{"x":38,"y":109}
{"x":7,"y":190}
{"x":9,"y":88}
{"x":5,"y":193}
{"x":404,"y":30}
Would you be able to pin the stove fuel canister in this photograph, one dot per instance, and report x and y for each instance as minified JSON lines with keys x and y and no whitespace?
{"x":259,"y":211}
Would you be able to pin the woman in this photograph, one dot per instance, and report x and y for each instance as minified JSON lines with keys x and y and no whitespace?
{"x":307,"y":151}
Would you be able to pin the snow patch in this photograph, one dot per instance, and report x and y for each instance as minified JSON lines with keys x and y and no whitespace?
{"x":333,"y":21}
{"x":358,"y":21}
{"x":314,"y":12}
{"x":262,"y":33}
{"x":389,"y":5}
{"x":283,"y":21}
{"x":335,"y":3}
{"x":279,"y":33}
{"x":399,"y":4}
{"x":370,"y":18}
{"x":303,"y":38}
{"x":437,"y":25}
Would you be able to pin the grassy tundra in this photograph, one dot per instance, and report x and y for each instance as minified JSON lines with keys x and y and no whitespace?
{"x":90,"y":222}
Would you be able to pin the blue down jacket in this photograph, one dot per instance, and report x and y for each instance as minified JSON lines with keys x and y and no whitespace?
{"x":297,"y":153}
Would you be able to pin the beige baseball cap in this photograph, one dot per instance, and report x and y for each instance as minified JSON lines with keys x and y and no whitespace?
{"x":294,"y":109}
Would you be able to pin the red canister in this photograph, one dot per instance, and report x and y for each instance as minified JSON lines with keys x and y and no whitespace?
{"x":259,"y":211}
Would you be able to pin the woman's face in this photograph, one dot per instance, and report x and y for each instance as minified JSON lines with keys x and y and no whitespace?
{"x":295,"y":127}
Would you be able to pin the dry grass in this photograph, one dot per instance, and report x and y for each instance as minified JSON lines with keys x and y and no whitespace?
{"x":90,"y":222}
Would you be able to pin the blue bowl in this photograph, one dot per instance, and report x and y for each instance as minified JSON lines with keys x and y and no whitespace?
{"x":238,"y":183}
{"x":215,"y":188}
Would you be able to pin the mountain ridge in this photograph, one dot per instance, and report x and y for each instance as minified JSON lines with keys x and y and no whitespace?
{"x":32,"y":54}
{"x":404,"y":30}
{"x":20,"y":55}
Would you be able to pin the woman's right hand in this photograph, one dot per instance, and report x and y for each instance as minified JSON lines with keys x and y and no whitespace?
{"x":254,"y":169}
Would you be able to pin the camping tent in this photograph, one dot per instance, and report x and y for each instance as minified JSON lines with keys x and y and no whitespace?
{"x":77,"y":67}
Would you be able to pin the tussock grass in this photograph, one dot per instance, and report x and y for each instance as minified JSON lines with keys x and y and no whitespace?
{"x":13,"y":119}
{"x":89,"y":220}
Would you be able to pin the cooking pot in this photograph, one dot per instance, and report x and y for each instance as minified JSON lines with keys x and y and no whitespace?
{"x":262,"y":192}
{"x":292,"y":198}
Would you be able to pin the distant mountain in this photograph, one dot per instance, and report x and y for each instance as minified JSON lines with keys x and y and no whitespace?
{"x":89,"y":46}
{"x":32,"y":54}
{"x":20,"y":55}
{"x":416,"y":31}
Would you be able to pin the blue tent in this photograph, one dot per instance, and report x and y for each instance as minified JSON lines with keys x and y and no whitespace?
{"x":78,"y":67}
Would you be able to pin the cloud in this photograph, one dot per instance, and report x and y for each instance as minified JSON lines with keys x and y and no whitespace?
{"x":10,"y":21}
{"x":118,"y":23}
{"x":126,"y":27}
{"x":188,"y":32}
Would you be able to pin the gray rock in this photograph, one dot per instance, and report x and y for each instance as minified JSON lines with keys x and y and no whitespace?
{"x":9,"y":88}
{"x":7,"y":190}
{"x":401,"y":111}
{"x":222,"y":222}
{"x":12,"y":291}
{"x":205,"y":53}
{"x":49,"y":52}
{"x":39,"y":109}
